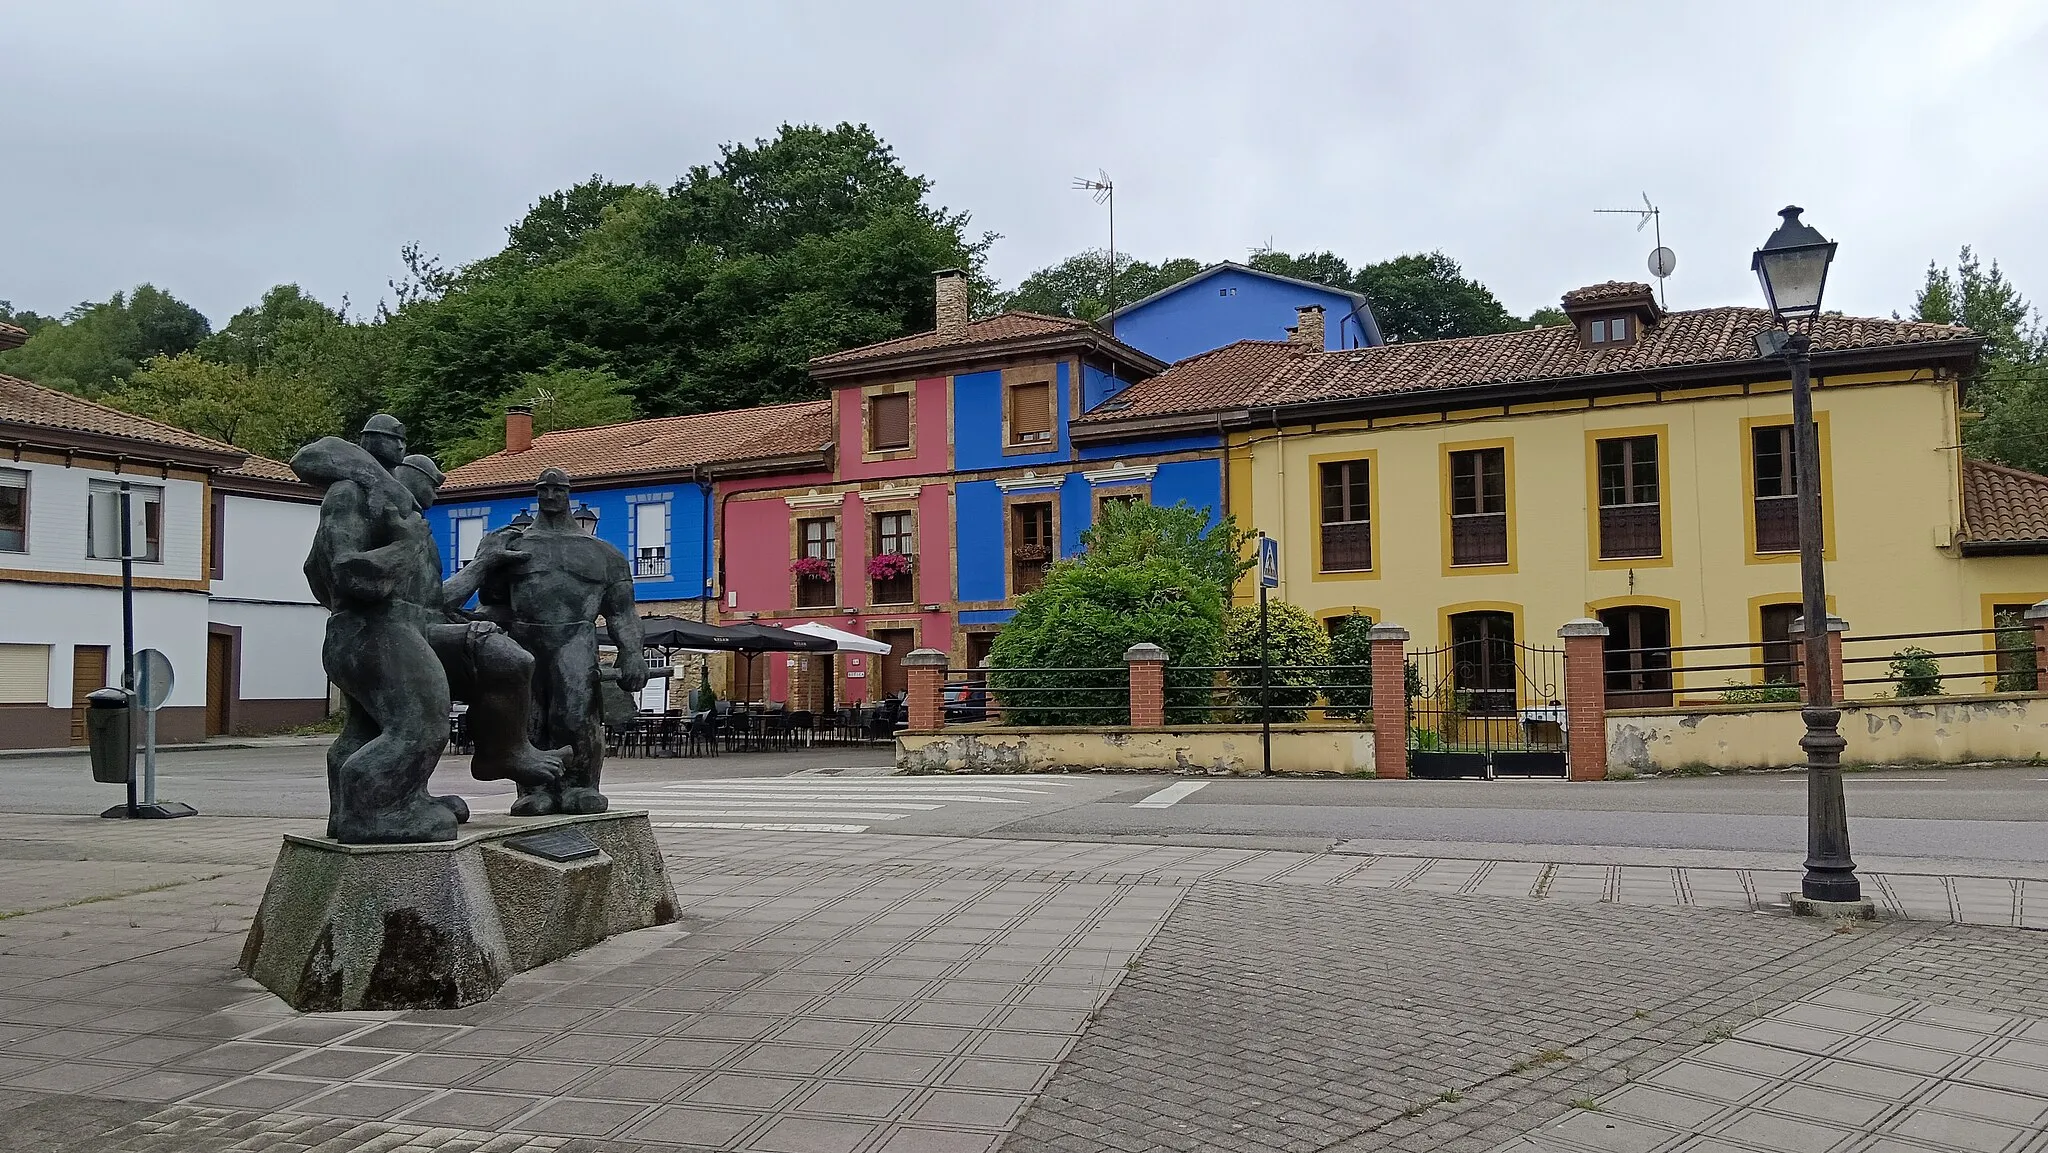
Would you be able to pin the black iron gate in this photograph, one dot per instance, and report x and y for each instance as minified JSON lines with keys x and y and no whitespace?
{"x":1484,"y":706}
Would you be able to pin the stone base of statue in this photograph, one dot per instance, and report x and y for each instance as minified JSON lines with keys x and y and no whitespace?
{"x":446,"y":924}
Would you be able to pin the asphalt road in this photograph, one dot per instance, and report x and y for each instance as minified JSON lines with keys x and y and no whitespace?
{"x":1946,"y":818}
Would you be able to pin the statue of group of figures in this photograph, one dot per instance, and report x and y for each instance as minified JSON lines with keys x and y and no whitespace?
{"x":401,"y":647}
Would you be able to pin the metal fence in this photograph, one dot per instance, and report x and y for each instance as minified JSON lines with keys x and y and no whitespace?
{"x":2001,"y":659}
{"x":1486,"y":707}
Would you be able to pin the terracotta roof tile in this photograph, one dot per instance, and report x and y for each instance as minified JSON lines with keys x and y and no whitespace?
{"x":660,"y":444}
{"x":1003,"y":326}
{"x":12,"y":337}
{"x":1612,"y":290}
{"x":2003,"y":504}
{"x":263,"y":468}
{"x":1697,"y":338}
{"x":26,"y":403}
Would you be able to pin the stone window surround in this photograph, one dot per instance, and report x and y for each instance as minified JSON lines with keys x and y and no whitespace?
{"x":867,"y":433}
{"x":1048,"y":495}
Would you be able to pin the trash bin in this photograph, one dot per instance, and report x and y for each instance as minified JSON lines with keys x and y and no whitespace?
{"x":109,"y":737}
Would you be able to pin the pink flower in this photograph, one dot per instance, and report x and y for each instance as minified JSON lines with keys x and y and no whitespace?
{"x":888,"y":566}
{"x":815,"y":568}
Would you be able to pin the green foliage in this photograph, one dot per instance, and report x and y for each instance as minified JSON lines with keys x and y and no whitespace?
{"x":2022,"y":663}
{"x":1770,"y":692}
{"x":1351,"y":658}
{"x":1079,"y":285}
{"x":260,"y":333}
{"x":1428,"y":297}
{"x":1548,"y":318}
{"x":1127,"y":532}
{"x":25,"y":320}
{"x":1084,"y":617}
{"x":265,"y":412}
{"x":2011,"y":387}
{"x":565,"y":398}
{"x":1915,"y":673}
{"x":1298,"y":647}
{"x":1424,"y":740}
{"x":98,"y":345}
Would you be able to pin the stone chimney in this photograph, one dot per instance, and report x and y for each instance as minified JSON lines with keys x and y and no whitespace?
{"x":1308,"y":328}
{"x":519,"y":428}
{"x":952,"y":299}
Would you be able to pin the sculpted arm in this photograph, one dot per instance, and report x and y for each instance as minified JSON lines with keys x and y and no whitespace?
{"x":493,"y":556}
{"x":361,"y":573}
{"x":622,"y":621}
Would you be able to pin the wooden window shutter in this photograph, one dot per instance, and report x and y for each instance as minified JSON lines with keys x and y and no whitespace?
{"x":1031,"y":412}
{"x":890,"y":420}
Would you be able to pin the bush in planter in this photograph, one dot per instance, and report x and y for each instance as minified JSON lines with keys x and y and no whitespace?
{"x":1915,"y":673}
{"x":1298,"y":649}
{"x":1084,"y":617}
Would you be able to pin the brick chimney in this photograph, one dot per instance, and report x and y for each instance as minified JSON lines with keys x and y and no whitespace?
{"x":952,"y":299}
{"x":1308,"y":328}
{"x":519,"y":428}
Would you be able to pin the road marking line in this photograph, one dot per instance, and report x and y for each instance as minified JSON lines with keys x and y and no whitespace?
{"x":672,"y":802}
{"x":783,"y":811}
{"x":863,"y":798}
{"x":1170,"y":795}
{"x":846,"y":788}
{"x":761,"y":826}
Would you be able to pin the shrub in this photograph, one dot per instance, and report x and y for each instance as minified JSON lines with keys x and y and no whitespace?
{"x":1915,"y":673}
{"x":1299,"y":652}
{"x":1128,"y":532}
{"x":2016,"y":641}
{"x":1350,"y":696}
{"x":1084,"y":617}
{"x":1770,"y":692}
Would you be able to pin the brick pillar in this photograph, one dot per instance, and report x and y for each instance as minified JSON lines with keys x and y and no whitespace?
{"x":1585,"y":698}
{"x":1389,"y":700}
{"x":926,"y":670}
{"x":2038,"y":617}
{"x":1836,"y":627}
{"x":1148,"y":685}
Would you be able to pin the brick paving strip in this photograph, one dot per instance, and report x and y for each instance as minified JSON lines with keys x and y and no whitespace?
{"x":870,"y":993}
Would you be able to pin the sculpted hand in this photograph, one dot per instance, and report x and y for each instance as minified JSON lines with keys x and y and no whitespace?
{"x":632,"y":672}
{"x":495,"y":549}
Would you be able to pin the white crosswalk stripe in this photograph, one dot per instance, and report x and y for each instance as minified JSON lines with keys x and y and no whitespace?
{"x":814,"y":803}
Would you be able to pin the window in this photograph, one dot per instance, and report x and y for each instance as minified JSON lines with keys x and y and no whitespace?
{"x":1105,"y":500}
{"x":889,"y":421}
{"x":1483,"y":661}
{"x":893,"y":537}
{"x":13,"y":510}
{"x":1775,"y":627}
{"x":1479,"y":506}
{"x":818,"y":539}
{"x":1638,"y":657}
{"x":1031,"y":413}
{"x":2016,"y":660}
{"x":650,"y":539}
{"x":1776,"y":473}
{"x":103,"y":521}
{"x":1347,"y":527}
{"x":469,"y":535}
{"x":217,"y":544}
{"x":1630,"y":517}
{"x":1031,"y":546}
{"x":25,"y":675}
{"x":1610,"y":330}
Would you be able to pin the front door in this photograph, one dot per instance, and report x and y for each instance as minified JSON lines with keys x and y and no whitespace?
{"x":220,"y":664}
{"x":890,"y":675}
{"x":1638,"y":657}
{"x":88,"y":675}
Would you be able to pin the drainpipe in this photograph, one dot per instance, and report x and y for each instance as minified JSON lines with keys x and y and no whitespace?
{"x":1280,"y":447}
{"x":702,"y":479}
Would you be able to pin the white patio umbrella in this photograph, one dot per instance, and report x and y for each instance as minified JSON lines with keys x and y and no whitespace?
{"x":847,"y":642}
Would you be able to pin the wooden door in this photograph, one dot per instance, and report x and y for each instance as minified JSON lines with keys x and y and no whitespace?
{"x":750,"y":676}
{"x":890,"y":676}
{"x":88,"y":675}
{"x":220,"y":664}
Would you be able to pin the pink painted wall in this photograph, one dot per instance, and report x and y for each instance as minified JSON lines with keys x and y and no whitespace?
{"x":935,"y":546}
{"x":756,"y":557}
{"x":930,"y":435}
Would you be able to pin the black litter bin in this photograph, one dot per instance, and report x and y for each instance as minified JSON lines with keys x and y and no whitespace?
{"x":109,"y":736}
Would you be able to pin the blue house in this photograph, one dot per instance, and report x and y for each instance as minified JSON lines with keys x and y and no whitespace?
{"x":1229,"y":302}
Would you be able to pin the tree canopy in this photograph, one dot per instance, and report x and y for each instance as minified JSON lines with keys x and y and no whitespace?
{"x":97,"y":345}
{"x":1079,"y":286}
{"x":2011,"y":387}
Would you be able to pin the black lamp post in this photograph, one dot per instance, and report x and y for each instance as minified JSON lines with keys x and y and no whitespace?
{"x":1793,"y":267}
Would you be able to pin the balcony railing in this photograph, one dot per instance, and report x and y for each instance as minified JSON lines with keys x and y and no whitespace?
{"x":1479,"y":538}
{"x":1631,"y":530}
{"x":894,"y":591}
{"x":1347,"y":546}
{"x":816,"y":594}
{"x":1777,"y":524}
{"x":650,"y":566}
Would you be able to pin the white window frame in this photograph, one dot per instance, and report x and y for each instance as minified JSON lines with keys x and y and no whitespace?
{"x":644,"y":553}
{"x":18,"y":478}
{"x":465,"y":551}
{"x":144,"y":494}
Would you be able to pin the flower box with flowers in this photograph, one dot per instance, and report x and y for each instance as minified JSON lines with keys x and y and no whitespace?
{"x":1029,"y":552}
{"x":812,"y":568}
{"x":888,"y":566}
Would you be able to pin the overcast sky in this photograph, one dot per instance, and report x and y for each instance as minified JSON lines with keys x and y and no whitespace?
{"x":217,"y":148}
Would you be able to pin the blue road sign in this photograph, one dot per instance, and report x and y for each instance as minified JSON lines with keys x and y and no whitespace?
{"x":1269,"y":562}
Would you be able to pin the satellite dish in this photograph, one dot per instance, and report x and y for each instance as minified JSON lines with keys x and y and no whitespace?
{"x":1663,"y":262}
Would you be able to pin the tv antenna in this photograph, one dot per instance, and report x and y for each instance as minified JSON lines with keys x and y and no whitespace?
{"x":1663,"y":261}
{"x":1104,"y":191}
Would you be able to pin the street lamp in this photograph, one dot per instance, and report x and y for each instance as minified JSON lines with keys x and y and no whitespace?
{"x":1793,"y":268}
{"x":586,"y":519}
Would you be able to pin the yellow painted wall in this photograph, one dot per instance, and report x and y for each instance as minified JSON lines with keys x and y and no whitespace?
{"x":1940,"y":730}
{"x":1890,"y":476}
{"x":1207,"y":750}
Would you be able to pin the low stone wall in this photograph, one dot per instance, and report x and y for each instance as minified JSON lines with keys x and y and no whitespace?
{"x":1938,"y":730}
{"x":1193,"y":750}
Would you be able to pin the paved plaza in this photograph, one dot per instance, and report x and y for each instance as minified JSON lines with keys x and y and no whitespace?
{"x":869,"y":992}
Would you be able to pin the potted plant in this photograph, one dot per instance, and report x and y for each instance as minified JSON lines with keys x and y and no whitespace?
{"x":812,"y":568}
{"x":888,"y":566}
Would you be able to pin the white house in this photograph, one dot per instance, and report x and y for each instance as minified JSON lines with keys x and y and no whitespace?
{"x":60,"y":573}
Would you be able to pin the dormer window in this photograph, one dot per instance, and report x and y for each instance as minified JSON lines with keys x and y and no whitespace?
{"x":1610,"y":330}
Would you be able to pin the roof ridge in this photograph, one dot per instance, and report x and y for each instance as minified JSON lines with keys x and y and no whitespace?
{"x":1980,"y":462}
{"x":124,"y":414}
{"x":680,"y":416}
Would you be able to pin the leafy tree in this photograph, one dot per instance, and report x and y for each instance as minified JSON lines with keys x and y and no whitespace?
{"x":98,"y":345}
{"x":1298,"y":648}
{"x":1428,"y":297}
{"x":1317,"y":267}
{"x":2011,"y":388}
{"x":1548,"y":318}
{"x":1128,"y":532}
{"x":566,"y":398}
{"x":25,"y":320}
{"x":1060,"y":660}
{"x":1350,"y":694}
{"x":255,"y":334}
{"x":1079,"y":285}
{"x":263,"y":412}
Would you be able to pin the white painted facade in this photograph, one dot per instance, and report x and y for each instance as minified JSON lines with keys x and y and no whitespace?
{"x":262,"y":590}
{"x":57,"y":518}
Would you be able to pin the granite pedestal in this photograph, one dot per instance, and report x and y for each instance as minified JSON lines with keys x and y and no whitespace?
{"x":445,"y":924}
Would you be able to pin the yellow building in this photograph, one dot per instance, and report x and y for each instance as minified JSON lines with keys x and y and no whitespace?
{"x":1634,"y":466}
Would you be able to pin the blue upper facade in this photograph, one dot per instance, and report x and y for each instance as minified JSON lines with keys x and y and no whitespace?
{"x":1230,"y":302}
{"x":661,"y":528}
